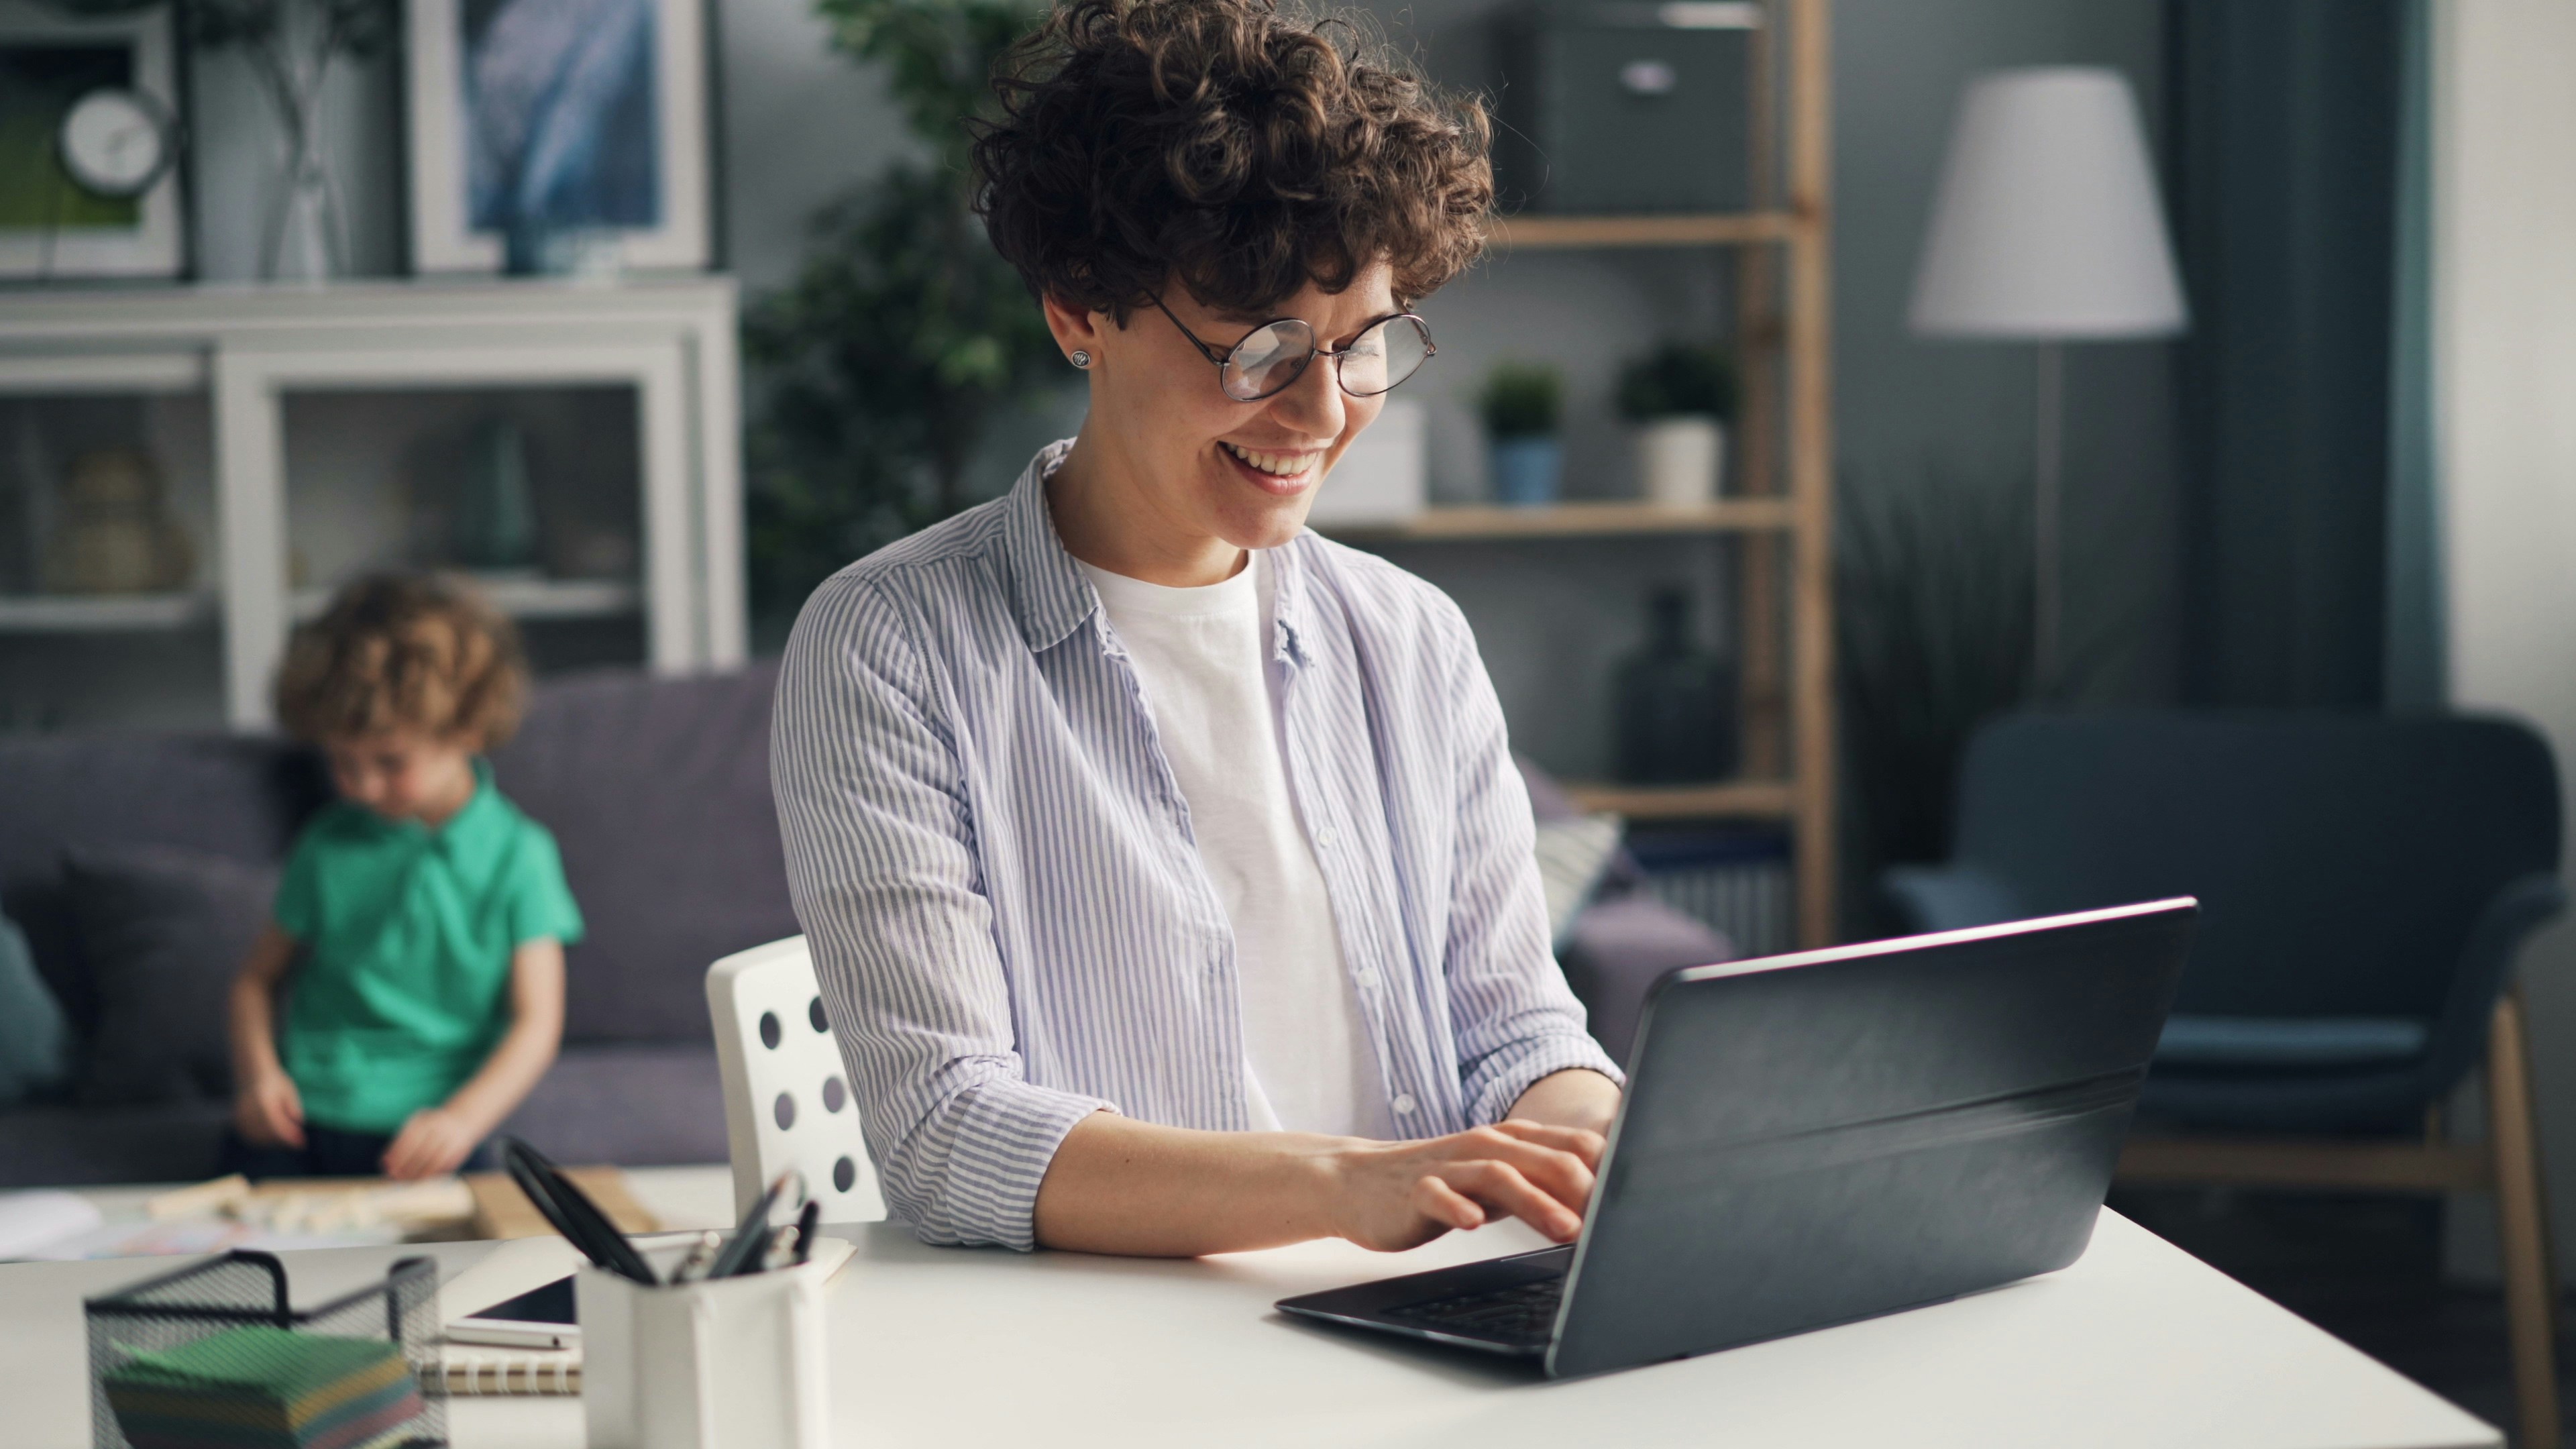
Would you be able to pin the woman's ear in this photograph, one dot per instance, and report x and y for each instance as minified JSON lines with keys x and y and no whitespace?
{"x":1077,"y":329}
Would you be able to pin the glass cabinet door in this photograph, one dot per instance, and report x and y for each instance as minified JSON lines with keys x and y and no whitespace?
{"x":534,"y":493}
{"x":109,"y":550}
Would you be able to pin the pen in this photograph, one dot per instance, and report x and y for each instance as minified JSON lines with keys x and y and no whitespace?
{"x":805,"y":1224}
{"x":571,"y":1212}
{"x":751,"y":1237}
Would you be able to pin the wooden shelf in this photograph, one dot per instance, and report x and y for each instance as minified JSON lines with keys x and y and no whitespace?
{"x":1727,"y":799}
{"x":102,"y":613}
{"x":1696,"y":229}
{"x":1575,"y":520}
{"x":528,"y":598}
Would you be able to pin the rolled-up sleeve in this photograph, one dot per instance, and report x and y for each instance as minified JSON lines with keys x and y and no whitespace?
{"x":1515,"y":1018}
{"x":882,"y":871}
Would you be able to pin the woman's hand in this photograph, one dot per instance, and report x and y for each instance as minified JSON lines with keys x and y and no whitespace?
{"x":433,"y":1141}
{"x":268,"y":1111}
{"x":1396,"y":1195}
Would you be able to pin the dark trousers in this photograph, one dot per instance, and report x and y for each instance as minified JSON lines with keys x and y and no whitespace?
{"x":327,"y":1152}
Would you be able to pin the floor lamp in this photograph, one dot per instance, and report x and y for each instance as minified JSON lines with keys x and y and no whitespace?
{"x":2046,"y":229}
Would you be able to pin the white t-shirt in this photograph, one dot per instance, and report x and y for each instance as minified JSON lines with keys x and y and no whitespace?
{"x":1204,"y":660}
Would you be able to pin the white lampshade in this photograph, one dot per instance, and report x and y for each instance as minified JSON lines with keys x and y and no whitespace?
{"x":2046,"y":225}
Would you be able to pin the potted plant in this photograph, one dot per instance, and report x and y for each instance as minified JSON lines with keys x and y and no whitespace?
{"x":1521,"y":404}
{"x":1681,"y":396}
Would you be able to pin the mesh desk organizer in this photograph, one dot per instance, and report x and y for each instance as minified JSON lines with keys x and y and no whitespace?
{"x":316,"y":1378}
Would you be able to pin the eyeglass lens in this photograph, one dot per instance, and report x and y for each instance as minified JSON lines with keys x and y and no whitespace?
{"x":1276,"y":355}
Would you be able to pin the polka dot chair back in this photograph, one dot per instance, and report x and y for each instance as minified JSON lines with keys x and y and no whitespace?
{"x":787,"y":1100}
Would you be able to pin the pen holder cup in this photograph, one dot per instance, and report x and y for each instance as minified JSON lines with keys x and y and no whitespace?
{"x":727,"y":1363}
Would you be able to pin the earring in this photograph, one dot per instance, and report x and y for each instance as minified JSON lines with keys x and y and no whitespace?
{"x":1081,"y":358}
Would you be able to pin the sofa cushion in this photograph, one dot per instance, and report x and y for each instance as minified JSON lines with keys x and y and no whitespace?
{"x":240,"y":797}
{"x":163,"y":931}
{"x":657,"y":790}
{"x":1620,"y":950}
{"x":65,"y":1146}
{"x":637,"y":1105}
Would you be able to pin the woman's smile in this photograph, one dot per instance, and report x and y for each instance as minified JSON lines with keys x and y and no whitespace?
{"x":1281,"y":472}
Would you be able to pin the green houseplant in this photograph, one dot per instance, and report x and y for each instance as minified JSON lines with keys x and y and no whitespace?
{"x":881,"y":365}
{"x":1680,"y":397}
{"x":1521,"y":405}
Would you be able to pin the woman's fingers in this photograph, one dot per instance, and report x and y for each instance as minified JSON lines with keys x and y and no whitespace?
{"x":1587,"y":1145}
{"x":1500,"y":1186}
{"x":1446,"y":1206}
{"x":1562,"y":1174}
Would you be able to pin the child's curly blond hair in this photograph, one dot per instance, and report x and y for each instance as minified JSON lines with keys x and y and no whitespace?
{"x":404,"y":651}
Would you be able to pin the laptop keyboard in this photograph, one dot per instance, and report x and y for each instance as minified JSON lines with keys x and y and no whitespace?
{"x":1522,"y":1314}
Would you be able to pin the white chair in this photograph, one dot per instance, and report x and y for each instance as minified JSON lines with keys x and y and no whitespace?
{"x":787,"y":1103}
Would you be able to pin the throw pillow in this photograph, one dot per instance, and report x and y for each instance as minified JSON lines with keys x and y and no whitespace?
{"x":163,"y":932}
{"x":35,"y":1037}
{"x":1573,"y":854}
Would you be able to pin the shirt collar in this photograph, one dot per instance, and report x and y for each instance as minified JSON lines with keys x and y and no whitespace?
{"x":1050,"y":597}
{"x":474,"y":818}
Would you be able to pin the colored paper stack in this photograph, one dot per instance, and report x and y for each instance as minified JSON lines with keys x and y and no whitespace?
{"x":266,"y":1388}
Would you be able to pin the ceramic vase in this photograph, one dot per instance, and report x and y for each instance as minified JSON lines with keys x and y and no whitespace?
{"x":1681,"y":461}
{"x":1527,"y":470}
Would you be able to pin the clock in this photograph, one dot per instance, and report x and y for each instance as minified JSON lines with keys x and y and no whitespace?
{"x":117,"y":142}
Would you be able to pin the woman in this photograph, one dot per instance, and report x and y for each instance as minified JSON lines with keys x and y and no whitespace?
{"x":1166,"y":873}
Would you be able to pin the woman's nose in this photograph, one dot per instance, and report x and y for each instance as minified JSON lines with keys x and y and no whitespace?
{"x":1313,"y":404}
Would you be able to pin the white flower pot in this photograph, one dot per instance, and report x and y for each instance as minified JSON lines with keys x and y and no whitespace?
{"x":1679,"y":461}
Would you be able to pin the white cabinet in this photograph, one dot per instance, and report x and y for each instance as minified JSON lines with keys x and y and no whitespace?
{"x":297,"y":437}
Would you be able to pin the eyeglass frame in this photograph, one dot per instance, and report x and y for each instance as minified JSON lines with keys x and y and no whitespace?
{"x":1430,"y":350}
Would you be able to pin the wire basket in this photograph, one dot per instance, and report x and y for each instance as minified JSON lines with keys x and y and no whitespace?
{"x":244,"y":1289}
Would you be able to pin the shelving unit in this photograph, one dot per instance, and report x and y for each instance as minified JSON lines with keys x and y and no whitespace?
{"x":1603,"y":519}
{"x":320,"y":431}
{"x":1784,"y":515}
{"x":88,"y":614}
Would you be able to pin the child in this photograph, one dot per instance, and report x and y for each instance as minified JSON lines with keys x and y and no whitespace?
{"x":420,"y":926}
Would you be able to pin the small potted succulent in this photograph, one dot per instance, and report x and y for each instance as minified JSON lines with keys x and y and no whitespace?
{"x":1681,"y":396}
{"x":1521,"y":404}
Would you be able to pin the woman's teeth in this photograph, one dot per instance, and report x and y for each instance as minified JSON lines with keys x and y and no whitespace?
{"x":1281,"y":465}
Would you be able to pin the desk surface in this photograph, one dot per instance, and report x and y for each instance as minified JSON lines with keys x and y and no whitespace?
{"x":2138,"y":1344}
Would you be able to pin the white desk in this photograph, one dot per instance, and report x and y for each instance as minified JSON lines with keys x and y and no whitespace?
{"x":2138,"y":1344}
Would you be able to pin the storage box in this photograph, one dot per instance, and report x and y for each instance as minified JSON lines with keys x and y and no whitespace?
{"x":1626,"y":107}
{"x":1380,"y":477}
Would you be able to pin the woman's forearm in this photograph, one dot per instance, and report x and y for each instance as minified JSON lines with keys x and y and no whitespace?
{"x":1578,"y":1097}
{"x":1117,"y":1185}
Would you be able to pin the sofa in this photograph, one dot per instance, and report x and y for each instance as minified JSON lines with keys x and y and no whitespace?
{"x":657,"y":791}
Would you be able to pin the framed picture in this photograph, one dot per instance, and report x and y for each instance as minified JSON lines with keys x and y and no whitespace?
{"x":88,"y":145}
{"x":558,"y":118}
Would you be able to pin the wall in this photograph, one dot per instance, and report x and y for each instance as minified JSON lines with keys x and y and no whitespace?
{"x":800,"y":125}
{"x":2504,"y":338}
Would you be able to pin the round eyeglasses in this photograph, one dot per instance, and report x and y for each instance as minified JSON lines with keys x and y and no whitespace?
{"x":1275,"y":354}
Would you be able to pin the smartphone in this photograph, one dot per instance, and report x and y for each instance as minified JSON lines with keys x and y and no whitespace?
{"x":539,"y":1318}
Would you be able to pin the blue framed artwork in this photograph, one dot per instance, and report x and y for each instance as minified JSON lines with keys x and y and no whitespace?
{"x":546,"y":127}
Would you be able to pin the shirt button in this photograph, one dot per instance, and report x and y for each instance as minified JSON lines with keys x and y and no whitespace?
{"x":1367,"y":975}
{"x":1403,"y":1104}
{"x":1327,"y":837}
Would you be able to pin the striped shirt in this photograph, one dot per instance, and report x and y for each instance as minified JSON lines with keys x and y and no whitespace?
{"x":994,"y":867}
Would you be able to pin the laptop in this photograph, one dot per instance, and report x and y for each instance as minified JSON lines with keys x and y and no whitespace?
{"x":1827,"y":1136}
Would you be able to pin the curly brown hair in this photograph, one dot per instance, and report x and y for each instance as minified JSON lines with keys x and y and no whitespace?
{"x":1243,"y":148}
{"x":404,"y":651}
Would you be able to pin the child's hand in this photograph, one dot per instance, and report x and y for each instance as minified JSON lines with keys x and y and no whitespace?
{"x":434,"y":1141}
{"x":269,"y":1113}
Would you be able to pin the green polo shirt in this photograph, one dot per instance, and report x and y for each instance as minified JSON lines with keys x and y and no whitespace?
{"x":404,"y":986}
